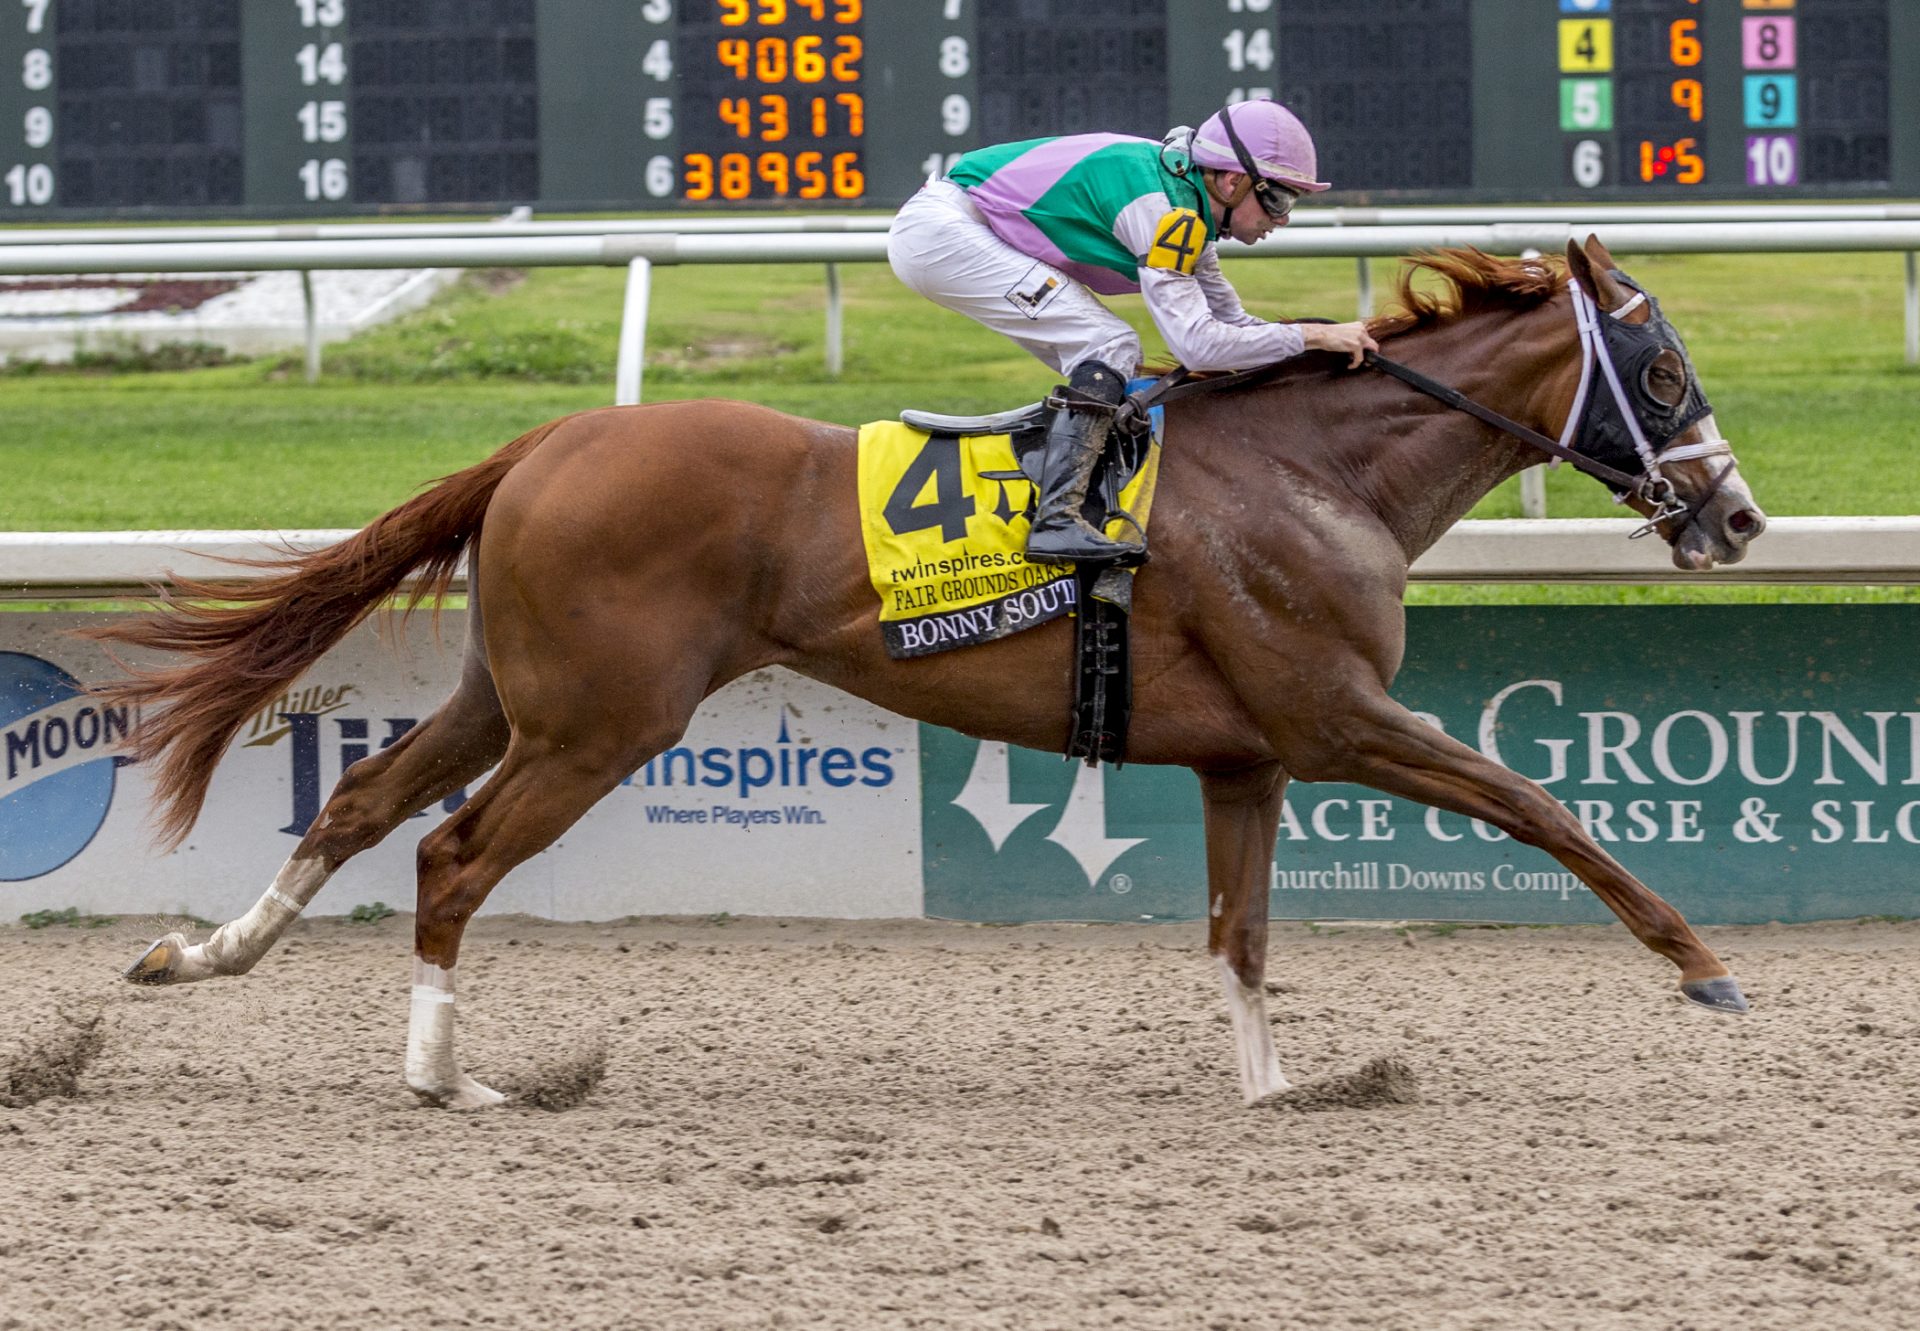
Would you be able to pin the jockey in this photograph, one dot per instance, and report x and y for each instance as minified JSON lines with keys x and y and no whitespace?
{"x":1019,"y":236}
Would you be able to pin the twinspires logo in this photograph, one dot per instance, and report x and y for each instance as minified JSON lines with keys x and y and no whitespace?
{"x":738,"y":774}
{"x":57,"y":766}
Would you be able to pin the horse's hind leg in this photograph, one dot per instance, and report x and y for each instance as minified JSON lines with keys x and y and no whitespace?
{"x":461,"y":740}
{"x":542,"y":788}
{"x":1242,"y":818}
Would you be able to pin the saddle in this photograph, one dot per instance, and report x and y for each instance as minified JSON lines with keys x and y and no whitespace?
{"x":1126,"y":449}
{"x":1103,"y":676}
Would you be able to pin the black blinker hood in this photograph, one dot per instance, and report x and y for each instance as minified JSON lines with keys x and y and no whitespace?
{"x":1604,"y":434}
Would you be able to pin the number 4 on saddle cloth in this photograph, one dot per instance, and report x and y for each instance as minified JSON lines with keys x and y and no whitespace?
{"x":945,"y":506}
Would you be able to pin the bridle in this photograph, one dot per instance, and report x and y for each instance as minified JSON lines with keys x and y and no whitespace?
{"x":1611,"y":416}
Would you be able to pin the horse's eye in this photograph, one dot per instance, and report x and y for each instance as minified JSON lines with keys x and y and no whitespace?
{"x":1666,"y":379}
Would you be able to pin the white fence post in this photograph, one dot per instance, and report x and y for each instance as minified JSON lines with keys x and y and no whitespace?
{"x":1366,"y":287}
{"x":836,"y":348}
{"x":1533,"y":492}
{"x":1913,"y":309}
{"x":633,"y":335}
{"x":313,"y":326}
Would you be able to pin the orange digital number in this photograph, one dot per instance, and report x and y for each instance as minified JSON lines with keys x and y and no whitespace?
{"x":772,"y":12}
{"x":735,"y":54}
{"x":851,"y":102}
{"x":849,"y":182}
{"x":736,"y":176}
{"x":1683,"y":42}
{"x":849,"y":49}
{"x":738,"y":112}
{"x":697,"y":175}
{"x":733,"y":13}
{"x":847,"y":11}
{"x":806,"y":167}
{"x":772,"y":169}
{"x":1690,"y":97}
{"x":1693,"y":167}
{"x":856,"y":112}
{"x":1680,"y":161}
{"x":817,"y":9}
{"x":773,"y":117}
{"x":809,"y":66}
{"x":770,"y":60}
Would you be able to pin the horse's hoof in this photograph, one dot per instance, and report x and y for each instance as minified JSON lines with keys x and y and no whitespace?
{"x":466,"y":1093}
{"x":160,"y":963}
{"x":1720,"y":994}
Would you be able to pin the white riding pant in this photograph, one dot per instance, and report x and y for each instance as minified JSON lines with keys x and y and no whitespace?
{"x":943,"y":248}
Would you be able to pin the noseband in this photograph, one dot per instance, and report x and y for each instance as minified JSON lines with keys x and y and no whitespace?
{"x":1610,"y":422}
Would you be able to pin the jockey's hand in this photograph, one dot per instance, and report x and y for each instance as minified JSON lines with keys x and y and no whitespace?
{"x":1352,"y":340}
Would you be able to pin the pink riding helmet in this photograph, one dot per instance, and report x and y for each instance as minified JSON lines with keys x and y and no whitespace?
{"x":1278,"y":142}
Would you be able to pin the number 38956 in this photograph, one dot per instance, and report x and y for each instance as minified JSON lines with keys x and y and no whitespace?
{"x":805,"y":175}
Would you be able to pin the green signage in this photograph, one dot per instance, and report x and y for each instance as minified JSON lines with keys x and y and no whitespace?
{"x":1749,"y":763}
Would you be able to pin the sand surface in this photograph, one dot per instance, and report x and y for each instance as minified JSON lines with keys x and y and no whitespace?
{"x":813,"y":1124}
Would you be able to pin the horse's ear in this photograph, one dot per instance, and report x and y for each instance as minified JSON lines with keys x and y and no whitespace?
{"x":1577,"y":266}
{"x":1591,"y":266}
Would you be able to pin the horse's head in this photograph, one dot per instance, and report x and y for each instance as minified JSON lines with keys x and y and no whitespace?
{"x":1640,"y":411}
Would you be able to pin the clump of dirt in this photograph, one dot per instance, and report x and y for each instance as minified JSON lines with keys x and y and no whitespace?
{"x":47,"y":1062}
{"x":1384,"y":1081}
{"x":563,"y":1083}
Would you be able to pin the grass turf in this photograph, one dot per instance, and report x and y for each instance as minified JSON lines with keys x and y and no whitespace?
{"x":1800,"y":353}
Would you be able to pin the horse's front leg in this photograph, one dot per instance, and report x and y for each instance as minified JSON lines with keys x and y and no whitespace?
{"x":1242,"y":818}
{"x":1381,"y":744}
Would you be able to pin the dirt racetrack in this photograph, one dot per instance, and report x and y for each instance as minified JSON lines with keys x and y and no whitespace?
{"x":925,"y":1125}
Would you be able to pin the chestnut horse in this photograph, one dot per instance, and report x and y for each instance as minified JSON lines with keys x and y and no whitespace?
{"x":628,"y":562}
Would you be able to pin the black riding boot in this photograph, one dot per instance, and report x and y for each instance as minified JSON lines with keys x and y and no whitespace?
{"x":1061,"y":534}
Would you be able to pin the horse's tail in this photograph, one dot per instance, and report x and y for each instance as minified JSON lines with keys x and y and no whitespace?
{"x":246,"y":642}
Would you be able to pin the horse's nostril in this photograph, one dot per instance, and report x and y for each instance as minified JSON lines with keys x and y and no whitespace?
{"x":1741,"y":523}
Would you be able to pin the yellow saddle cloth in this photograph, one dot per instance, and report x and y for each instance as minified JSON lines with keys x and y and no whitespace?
{"x":945,"y":522}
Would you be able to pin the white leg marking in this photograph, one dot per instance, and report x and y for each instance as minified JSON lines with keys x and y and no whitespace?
{"x":432,"y":1071}
{"x":1253,"y":1039}
{"x":238,"y":945}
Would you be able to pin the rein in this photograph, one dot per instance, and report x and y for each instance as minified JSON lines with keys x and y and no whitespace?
{"x":1649,"y":484}
{"x":1459,"y":401}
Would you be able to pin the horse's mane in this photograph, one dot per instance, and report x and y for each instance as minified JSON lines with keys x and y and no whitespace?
{"x":1475,"y":282}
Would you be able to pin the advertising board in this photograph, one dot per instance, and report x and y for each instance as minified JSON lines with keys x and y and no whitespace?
{"x":1750,"y":763}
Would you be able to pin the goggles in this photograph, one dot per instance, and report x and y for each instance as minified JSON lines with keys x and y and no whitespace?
{"x":1275,"y":198}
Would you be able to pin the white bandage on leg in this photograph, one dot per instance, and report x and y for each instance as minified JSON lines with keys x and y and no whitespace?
{"x":239,"y":944}
{"x":432,"y":1070}
{"x":1260,"y":1074}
